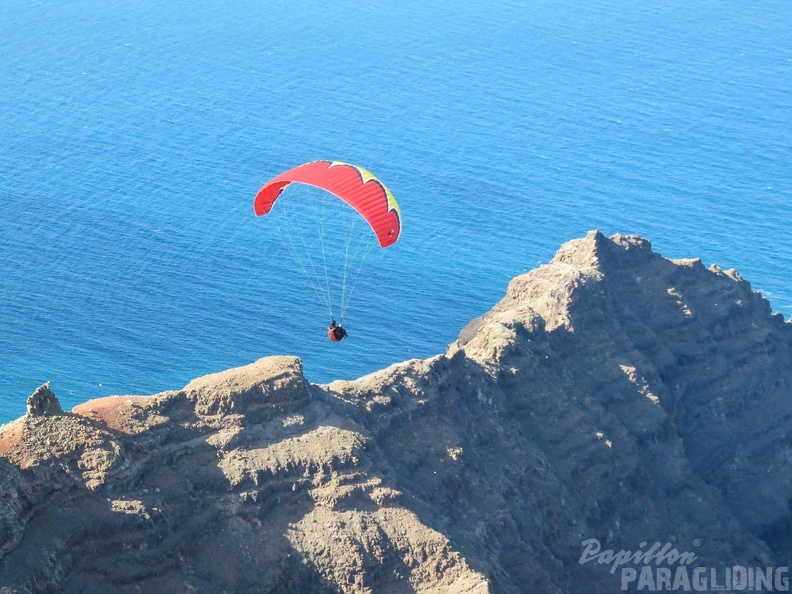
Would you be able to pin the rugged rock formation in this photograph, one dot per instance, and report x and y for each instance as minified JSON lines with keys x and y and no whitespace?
{"x":43,"y":402}
{"x":611,"y":395}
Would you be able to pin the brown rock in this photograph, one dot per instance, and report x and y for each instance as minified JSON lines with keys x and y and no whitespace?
{"x":611,"y":395}
{"x":43,"y":402}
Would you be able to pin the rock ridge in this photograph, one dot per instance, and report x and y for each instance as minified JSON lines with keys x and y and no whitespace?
{"x":612,"y":394}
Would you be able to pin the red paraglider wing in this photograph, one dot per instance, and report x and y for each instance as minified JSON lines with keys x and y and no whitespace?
{"x":354,"y":185}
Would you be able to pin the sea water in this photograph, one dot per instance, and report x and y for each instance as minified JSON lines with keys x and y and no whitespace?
{"x":135,"y":135}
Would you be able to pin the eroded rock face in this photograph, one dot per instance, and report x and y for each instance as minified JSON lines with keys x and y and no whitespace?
{"x":612,"y":395}
{"x":43,"y":402}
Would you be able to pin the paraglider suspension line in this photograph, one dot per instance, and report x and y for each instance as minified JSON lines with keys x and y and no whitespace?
{"x":288,"y":238}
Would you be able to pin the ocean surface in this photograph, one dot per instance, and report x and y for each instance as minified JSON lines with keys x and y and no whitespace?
{"x":135,"y":135}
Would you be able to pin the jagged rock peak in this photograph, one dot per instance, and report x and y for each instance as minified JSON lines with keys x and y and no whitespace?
{"x":595,"y":250}
{"x":549,"y":291}
{"x":620,"y":279}
{"x":43,"y":402}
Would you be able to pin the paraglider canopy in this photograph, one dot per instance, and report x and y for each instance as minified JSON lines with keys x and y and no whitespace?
{"x":354,"y":185}
{"x":329,"y":240}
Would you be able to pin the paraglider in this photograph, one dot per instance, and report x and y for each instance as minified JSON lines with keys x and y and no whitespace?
{"x":336,"y":332}
{"x":331,"y":247}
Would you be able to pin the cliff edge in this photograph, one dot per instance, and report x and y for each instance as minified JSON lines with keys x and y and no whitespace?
{"x":612,"y":396}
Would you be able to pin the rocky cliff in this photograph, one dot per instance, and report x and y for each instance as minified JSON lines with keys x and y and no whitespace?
{"x":613,"y":396}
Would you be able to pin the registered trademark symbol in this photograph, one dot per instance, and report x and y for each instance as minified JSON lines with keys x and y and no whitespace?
{"x":696,"y":542}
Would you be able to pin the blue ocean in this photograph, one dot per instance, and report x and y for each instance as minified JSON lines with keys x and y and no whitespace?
{"x":135,"y":135}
